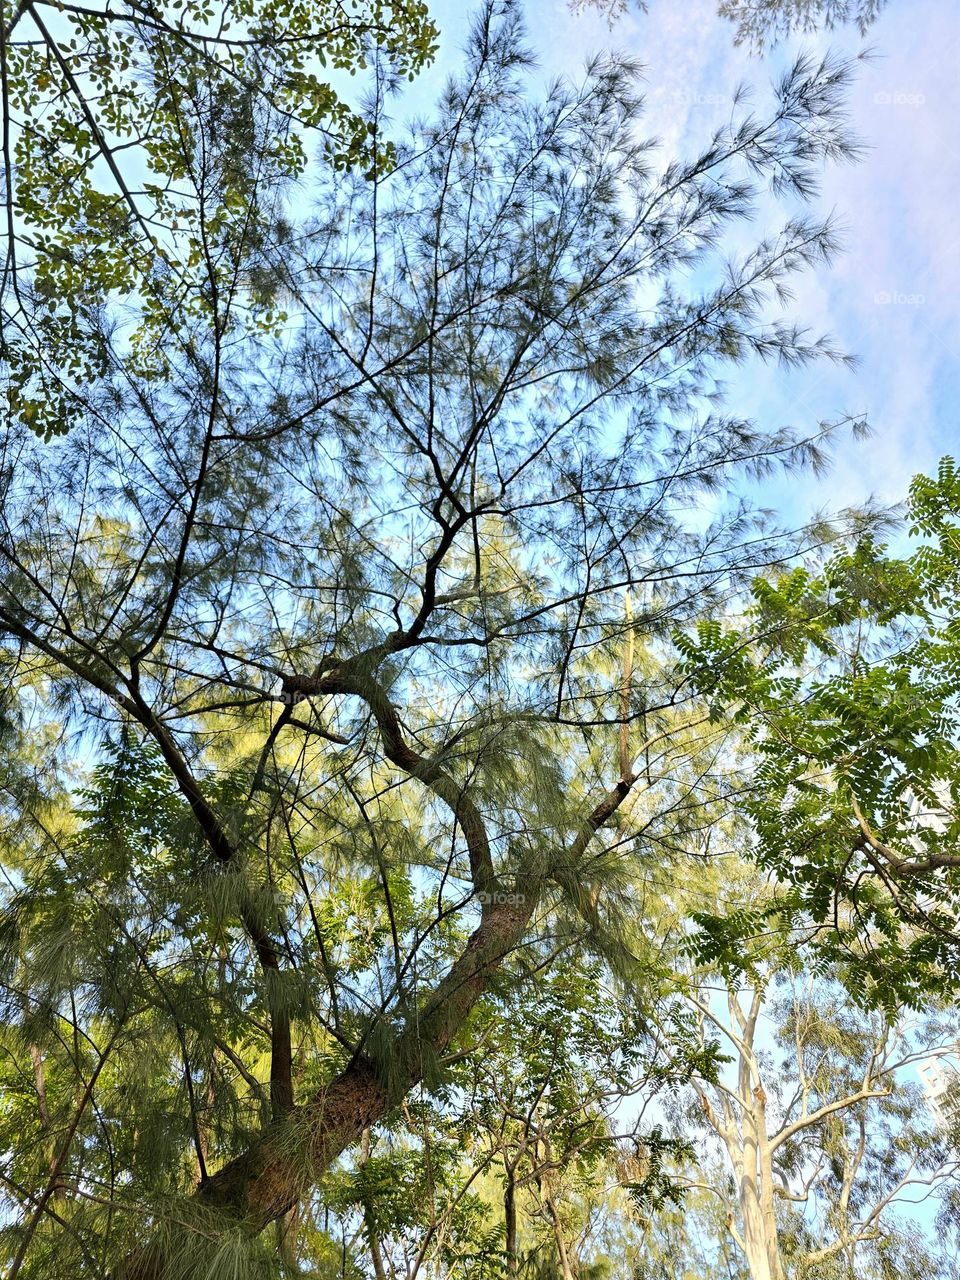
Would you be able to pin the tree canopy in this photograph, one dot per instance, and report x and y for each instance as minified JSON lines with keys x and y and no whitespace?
{"x":373,"y":681}
{"x":847,"y":676}
{"x":143,"y":148}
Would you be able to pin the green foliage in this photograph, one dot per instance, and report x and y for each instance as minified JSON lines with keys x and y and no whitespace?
{"x":146,"y":150}
{"x":761,"y":23}
{"x":847,"y":685}
{"x":346,"y":793}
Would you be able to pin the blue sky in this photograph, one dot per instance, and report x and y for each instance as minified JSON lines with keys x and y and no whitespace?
{"x":892,"y":298}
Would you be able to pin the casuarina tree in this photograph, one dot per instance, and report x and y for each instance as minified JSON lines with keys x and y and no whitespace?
{"x":342,"y":533}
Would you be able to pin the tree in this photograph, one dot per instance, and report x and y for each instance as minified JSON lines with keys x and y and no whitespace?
{"x":523,"y":1163}
{"x":816,"y":1116}
{"x":761,"y":23}
{"x":317,"y":613}
{"x":845,"y":674}
{"x":825,"y":1136}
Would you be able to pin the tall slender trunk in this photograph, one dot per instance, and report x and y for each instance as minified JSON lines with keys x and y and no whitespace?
{"x":754,"y":1231}
{"x":566,"y":1261}
{"x":510,"y":1217}
{"x":754,"y":1227}
{"x":744,"y":1134}
{"x":757,"y":1207}
{"x":767,"y":1203}
{"x":59,"y":1193}
{"x":370,"y":1226}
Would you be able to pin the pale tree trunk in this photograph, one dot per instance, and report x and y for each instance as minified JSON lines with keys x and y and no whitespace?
{"x":755,"y":1190}
{"x":743,"y":1131}
{"x":754,"y":1243}
{"x":566,"y":1261}
{"x":760,"y":1242}
{"x":767,"y":1202}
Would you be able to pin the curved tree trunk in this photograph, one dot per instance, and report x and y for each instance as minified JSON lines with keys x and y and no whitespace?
{"x":266,"y":1181}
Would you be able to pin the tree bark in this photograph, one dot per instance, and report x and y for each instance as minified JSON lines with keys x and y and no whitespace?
{"x":750,"y":1149}
{"x":566,"y":1266}
{"x":373,"y":1240}
{"x":39,"y":1081}
{"x":510,"y":1218}
{"x":756,"y":1244}
{"x":266,"y":1181}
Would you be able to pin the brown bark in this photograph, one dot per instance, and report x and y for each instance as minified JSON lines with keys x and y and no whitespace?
{"x":270,"y":1177}
{"x":510,"y":1216}
{"x":39,"y":1081}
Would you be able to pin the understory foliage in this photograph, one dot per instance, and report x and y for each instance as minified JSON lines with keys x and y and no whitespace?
{"x":346,"y":757}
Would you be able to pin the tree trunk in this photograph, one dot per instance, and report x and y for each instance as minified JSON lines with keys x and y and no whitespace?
{"x":510,"y":1219}
{"x":39,"y":1080}
{"x":566,"y":1265}
{"x":748,"y":1147}
{"x":767,"y":1204}
{"x":750,"y":1190}
{"x":373,"y":1240}
{"x":265,"y":1181}
{"x":754,"y":1230}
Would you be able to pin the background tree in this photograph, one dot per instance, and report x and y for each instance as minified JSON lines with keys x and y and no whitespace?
{"x":532,"y":1158}
{"x":823,"y":1140}
{"x":824,"y":1128}
{"x":761,"y":23}
{"x":846,"y":676}
{"x":318,"y":611}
